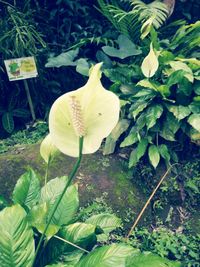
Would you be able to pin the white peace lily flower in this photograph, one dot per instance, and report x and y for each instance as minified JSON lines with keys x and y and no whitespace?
{"x":91,"y":111}
{"x":150,"y":63}
{"x":47,"y":149}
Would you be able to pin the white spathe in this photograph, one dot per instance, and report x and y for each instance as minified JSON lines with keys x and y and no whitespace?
{"x":47,"y":149}
{"x":90,"y":111}
{"x":150,"y":63}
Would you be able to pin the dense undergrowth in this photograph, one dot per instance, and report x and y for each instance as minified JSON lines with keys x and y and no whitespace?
{"x":151,"y":60}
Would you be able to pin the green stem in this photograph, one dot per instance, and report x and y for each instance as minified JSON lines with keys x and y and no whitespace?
{"x":70,"y":178}
{"x":46,"y":176}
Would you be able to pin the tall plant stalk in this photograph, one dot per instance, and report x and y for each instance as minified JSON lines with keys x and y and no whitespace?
{"x":70,"y":178}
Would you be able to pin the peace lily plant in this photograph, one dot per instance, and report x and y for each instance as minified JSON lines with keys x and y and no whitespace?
{"x":45,"y":217}
{"x":78,"y":122}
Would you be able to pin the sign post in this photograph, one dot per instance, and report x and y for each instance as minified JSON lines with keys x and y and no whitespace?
{"x":22,"y":69}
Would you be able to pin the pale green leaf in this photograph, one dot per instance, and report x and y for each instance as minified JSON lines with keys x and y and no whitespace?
{"x":148,"y":259}
{"x":180,"y":112}
{"x":178,"y":65}
{"x":81,"y":234}
{"x":16,"y":239}
{"x":108,"y":256}
{"x":68,"y":205}
{"x":126,"y":48}
{"x":48,"y":149}
{"x":107,"y":222}
{"x":111,"y":140}
{"x":154,"y":155}
{"x":27,"y":189}
{"x":152,"y":114}
{"x":194,"y":120}
{"x":64,"y":59}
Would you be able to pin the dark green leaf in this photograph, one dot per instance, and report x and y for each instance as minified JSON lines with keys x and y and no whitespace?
{"x":8,"y":122}
{"x":21,"y":113}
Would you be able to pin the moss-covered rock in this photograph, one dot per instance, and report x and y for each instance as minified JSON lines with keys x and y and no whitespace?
{"x":98,"y":174}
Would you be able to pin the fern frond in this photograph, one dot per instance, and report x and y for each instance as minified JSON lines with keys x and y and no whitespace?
{"x":130,"y":22}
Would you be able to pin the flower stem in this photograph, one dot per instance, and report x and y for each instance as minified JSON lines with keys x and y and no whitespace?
{"x":70,"y":178}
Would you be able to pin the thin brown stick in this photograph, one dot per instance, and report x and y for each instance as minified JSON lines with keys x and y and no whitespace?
{"x":148,"y":201}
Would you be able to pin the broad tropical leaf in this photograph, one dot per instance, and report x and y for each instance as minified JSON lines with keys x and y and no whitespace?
{"x":81,"y":234}
{"x":126,"y":48}
{"x":68,"y":205}
{"x":27,"y":189}
{"x":16,"y":238}
{"x":194,"y":120}
{"x":107,"y":222}
{"x":148,"y":259}
{"x":108,"y":256}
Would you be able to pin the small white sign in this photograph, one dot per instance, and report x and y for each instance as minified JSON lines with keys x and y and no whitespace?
{"x":21,"y":68}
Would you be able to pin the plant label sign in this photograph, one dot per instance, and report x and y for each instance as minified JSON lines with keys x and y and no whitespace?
{"x":21,"y":68}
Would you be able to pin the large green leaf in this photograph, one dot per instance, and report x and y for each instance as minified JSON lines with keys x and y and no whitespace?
{"x":126,"y":48}
{"x":16,"y":238}
{"x":152,"y":114}
{"x":27,"y":189}
{"x":111,"y":140}
{"x":148,"y":259}
{"x":37,"y":218}
{"x":154,"y":155}
{"x":170,"y":127}
{"x":107,"y":222}
{"x":8,"y":122}
{"x":131,"y":139}
{"x":194,"y":120}
{"x":64,"y":59}
{"x":107,"y":256}
{"x":69,"y":203}
{"x":180,"y":112}
{"x":81,"y":234}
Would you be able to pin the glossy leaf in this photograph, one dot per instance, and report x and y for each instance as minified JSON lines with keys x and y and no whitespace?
{"x":81,"y":234}
{"x":194,"y":120}
{"x":27,"y":189}
{"x":16,"y":239}
{"x":107,"y":222}
{"x":148,"y":259}
{"x":180,"y":112}
{"x":164,"y":152}
{"x":68,"y":205}
{"x":152,"y":114}
{"x":107,"y":256}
